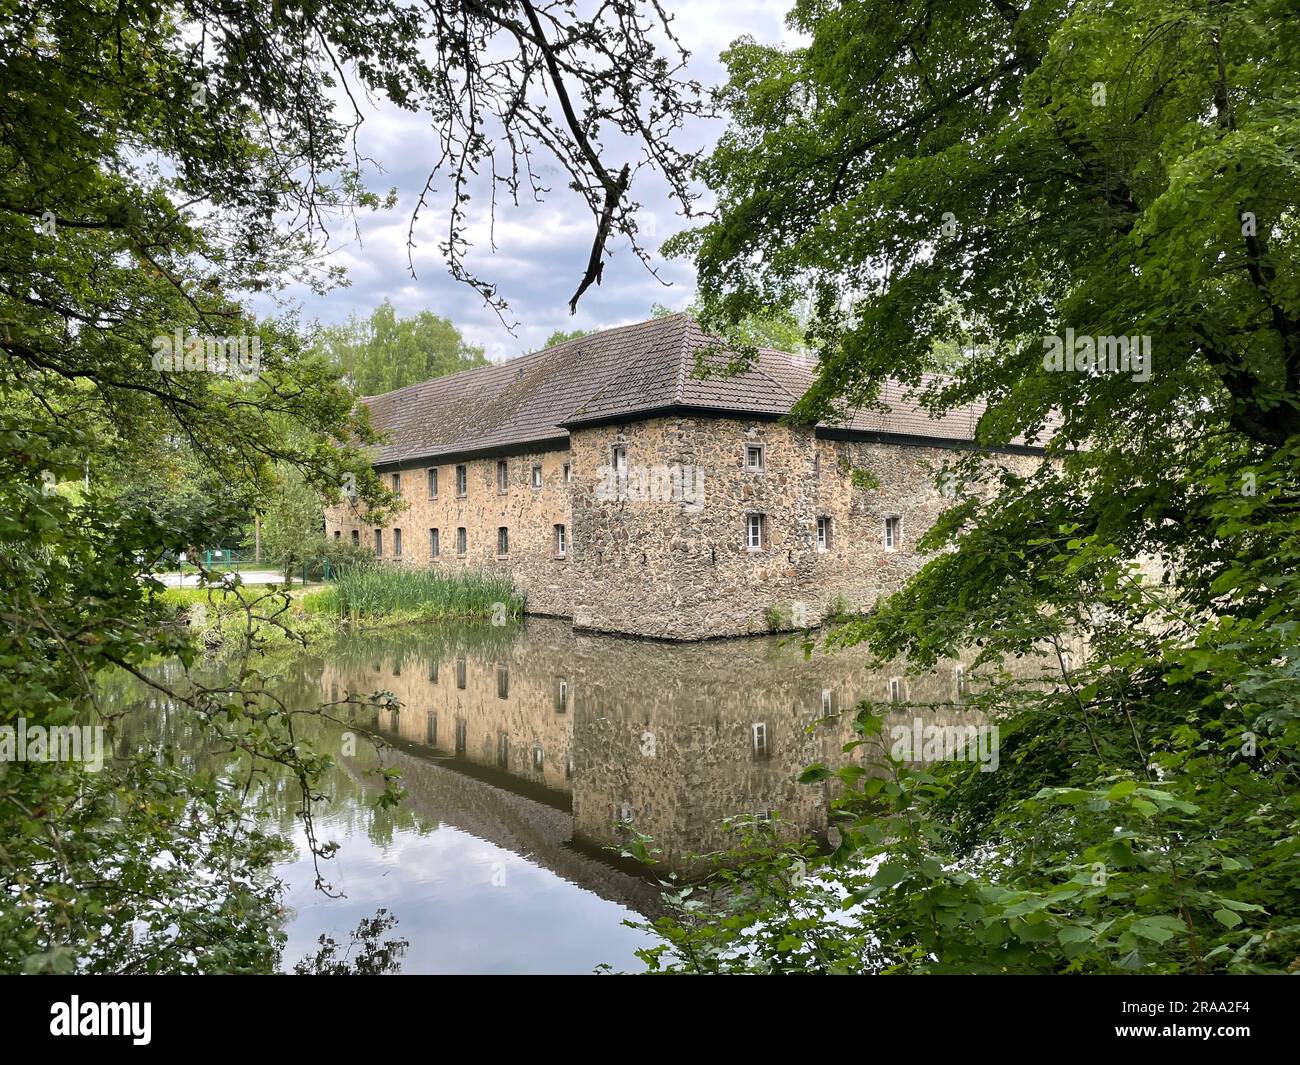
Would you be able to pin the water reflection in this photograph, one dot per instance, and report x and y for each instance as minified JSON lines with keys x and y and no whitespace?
{"x":671,"y":738}
{"x":523,"y":750}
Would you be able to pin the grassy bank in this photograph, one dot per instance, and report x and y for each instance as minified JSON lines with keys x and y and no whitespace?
{"x":363,"y":597}
{"x":401,"y":593}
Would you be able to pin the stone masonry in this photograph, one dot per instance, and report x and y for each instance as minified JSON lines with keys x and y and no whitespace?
{"x":632,"y":504}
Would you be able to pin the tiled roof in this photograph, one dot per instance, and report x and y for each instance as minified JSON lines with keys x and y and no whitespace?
{"x":615,"y":374}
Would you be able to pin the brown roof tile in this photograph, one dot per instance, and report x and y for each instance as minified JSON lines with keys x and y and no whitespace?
{"x":616,"y":374}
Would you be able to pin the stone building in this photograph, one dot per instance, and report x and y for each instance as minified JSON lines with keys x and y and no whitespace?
{"x":623,"y":481}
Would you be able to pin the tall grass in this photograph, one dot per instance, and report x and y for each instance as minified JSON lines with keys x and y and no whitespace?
{"x":380,"y":590}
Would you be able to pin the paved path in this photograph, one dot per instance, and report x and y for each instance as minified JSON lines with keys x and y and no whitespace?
{"x":172,"y":579}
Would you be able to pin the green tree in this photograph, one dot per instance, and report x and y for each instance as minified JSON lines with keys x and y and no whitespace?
{"x":1108,"y":169}
{"x":293,"y":525}
{"x":384,"y":352}
{"x":561,"y":336}
{"x":159,"y":165}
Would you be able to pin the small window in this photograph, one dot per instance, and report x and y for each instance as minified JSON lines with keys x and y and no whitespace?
{"x":503,"y":681}
{"x":566,"y":473}
{"x":893,"y":531}
{"x":828,"y":701}
{"x":754,"y":458}
{"x":755,"y":533}
{"x":758,"y":739}
{"x":503,"y":751}
{"x":817,"y":463}
{"x":895,"y":689}
{"x":561,"y":695}
{"x":568,"y":767}
{"x":356,"y":537}
{"x":431,"y":729}
{"x":433,"y":483}
{"x":503,"y":476}
{"x":397,"y":484}
{"x":503,"y":540}
{"x":462,"y":737}
{"x":462,"y":541}
{"x":462,"y":481}
{"x":618,"y":460}
{"x":397,"y":543}
{"x":433,"y":671}
{"x":823,"y":534}
{"x":538,"y":756}
{"x":561,"y":544}
{"x":1065,"y":661}
{"x":435,"y":544}
{"x":460,"y":673}
{"x":537,"y":477}
{"x":379,"y":542}
{"x":959,"y":681}
{"x":338,"y":534}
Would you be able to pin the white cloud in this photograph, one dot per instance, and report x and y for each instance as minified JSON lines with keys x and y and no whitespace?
{"x":541,"y":249}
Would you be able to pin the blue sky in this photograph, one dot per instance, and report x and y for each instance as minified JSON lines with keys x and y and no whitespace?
{"x":542,"y":249}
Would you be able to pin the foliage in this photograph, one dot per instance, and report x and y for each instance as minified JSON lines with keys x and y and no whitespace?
{"x":778,"y":330}
{"x":562,"y":336}
{"x":384,"y":352}
{"x":375,"y":956}
{"x":293,"y":523}
{"x":1120,"y":168}
{"x":160,"y":165}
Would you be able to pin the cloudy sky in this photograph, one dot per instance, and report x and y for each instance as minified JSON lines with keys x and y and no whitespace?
{"x":542,"y":249}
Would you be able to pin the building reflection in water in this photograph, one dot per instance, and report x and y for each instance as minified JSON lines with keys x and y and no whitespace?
{"x":673,"y":738}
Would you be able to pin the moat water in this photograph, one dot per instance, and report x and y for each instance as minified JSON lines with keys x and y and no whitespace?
{"x":527,"y":753}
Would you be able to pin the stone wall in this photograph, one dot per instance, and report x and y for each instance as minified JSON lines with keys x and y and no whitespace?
{"x":530,"y":514}
{"x":661,"y":549}
{"x":665,"y":553}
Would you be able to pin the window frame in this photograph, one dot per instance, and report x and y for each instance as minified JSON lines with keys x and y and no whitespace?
{"x":893,"y":534}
